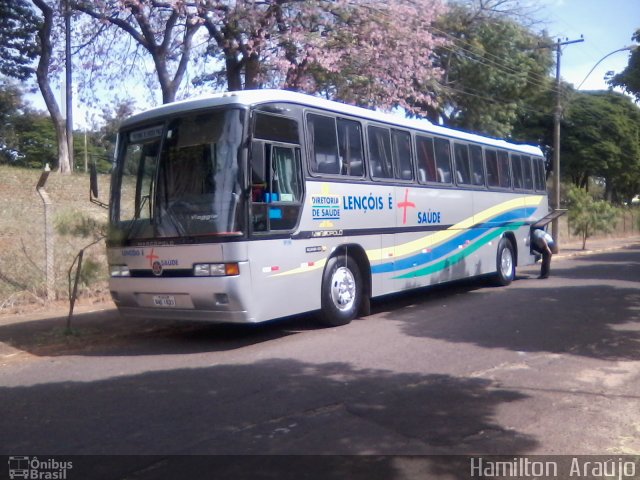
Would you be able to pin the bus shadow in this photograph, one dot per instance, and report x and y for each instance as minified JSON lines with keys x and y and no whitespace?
{"x":437,"y":292}
{"x":591,"y":310}
{"x":267,"y":407}
{"x":106,"y":333}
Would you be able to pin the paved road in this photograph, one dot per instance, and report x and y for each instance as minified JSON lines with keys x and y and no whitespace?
{"x":539,"y":367}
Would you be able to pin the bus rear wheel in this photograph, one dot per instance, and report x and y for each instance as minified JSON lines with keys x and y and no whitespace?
{"x":505,"y":263}
{"x":341,"y":294}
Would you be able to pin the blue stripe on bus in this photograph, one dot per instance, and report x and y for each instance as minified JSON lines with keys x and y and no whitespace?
{"x":458,"y":256}
{"x":465,"y":238}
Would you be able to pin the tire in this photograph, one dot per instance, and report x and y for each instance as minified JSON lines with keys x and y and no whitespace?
{"x":505,"y":263}
{"x":341,"y":294}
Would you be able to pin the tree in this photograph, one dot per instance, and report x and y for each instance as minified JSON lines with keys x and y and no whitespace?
{"x":10,"y":104}
{"x":36,"y":140}
{"x":26,"y":36}
{"x":43,"y":70}
{"x":27,"y":137}
{"x":491,"y":67}
{"x":163,"y":29}
{"x":111,"y":120}
{"x":378,"y":55}
{"x":534,"y":122}
{"x":18,"y":43}
{"x":601,"y":138}
{"x":238,"y":35}
{"x":588,"y":216}
{"x":371,"y":53}
{"x":629,"y":78}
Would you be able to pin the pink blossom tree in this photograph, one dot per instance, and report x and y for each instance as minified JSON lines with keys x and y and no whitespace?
{"x":380,"y":55}
{"x":366,"y":52}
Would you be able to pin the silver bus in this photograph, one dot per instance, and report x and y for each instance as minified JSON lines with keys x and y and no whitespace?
{"x":254,"y":205}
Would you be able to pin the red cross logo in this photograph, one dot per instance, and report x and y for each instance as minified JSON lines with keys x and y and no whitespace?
{"x":406,"y":204}
{"x":151,"y":258}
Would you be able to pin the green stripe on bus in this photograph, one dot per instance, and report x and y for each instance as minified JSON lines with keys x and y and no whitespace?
{"x":458,"y":257}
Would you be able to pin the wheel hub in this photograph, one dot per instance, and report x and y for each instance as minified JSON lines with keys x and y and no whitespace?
{"x":343,"y":288}
{"x":506,"y":262}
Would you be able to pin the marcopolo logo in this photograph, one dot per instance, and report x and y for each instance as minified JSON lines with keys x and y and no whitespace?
{"x":38,"y":469}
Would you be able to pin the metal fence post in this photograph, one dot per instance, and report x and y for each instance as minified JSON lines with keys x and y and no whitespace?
{"x":48,"y":233}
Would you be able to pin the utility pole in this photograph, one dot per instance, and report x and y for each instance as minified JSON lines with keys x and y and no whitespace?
{"x":557,"y":116}
{"x":68,"y":81}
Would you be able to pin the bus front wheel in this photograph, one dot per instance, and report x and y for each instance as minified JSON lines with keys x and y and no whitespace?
{"x":341,"y":294}
{"x":505,"y":263}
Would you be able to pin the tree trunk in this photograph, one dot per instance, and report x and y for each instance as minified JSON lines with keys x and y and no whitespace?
{"x":251,"y":72}
{"x":42,"y":74}
{"x":234,"y":71}
{"x":585,"y":235}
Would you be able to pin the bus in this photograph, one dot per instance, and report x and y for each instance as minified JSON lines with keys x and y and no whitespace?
{"x":249,"y":206}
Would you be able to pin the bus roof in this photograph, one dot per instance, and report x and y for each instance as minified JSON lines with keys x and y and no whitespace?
{"x":256,"y":97}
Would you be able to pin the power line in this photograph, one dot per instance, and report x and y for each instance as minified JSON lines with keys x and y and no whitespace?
{"x":498,"y":101}
{"x":539,"y":80}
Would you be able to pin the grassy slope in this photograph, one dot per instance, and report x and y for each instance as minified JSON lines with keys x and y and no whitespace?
{"x":22,"y":255}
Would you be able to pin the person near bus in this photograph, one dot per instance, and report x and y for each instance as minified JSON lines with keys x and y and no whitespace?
{"x":543,"y":243}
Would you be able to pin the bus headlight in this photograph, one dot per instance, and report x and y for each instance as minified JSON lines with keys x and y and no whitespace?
{"x":216,"y":269}
{"x":120,"y":271}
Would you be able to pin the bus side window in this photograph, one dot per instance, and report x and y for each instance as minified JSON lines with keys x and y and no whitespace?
{"x":403,"y":166}
{"x":443,"y":160}
{"x":276,"y":187}
{"x":324,"y":144}
{"x":285,"y":179}
{"x":426,"y":159}
{"x":491,"y":160}
{"x":477,"y":165}
{"x":504,"y":169}
{"x":540,"y":177}
{"x":526,"y":172}
{"x":277,"y":128}
{"x":286,"y":188}
{"x":463,"y":172}
{"x":258,"y":172}
{"x":380,"y":152}
{"x":350,"y":148}
{"x":516,"y":166}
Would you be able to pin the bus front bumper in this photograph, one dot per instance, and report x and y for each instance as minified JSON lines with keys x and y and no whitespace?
{"x":207,"y":299}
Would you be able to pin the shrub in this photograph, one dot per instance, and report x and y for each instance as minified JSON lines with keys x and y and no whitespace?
{"x":588,"y":216}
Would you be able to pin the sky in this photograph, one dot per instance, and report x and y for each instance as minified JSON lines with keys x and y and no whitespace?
{"x":606,"y":25}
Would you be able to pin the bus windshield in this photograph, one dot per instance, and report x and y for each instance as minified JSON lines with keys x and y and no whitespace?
{"x":181,"y":178}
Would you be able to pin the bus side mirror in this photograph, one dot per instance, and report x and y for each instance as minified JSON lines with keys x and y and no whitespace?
{"x":93,"y":186}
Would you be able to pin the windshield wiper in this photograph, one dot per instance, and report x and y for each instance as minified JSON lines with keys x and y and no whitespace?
{"x":134,"y":221}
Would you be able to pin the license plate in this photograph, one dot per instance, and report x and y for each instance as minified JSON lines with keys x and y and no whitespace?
{"x":164,"y":300}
